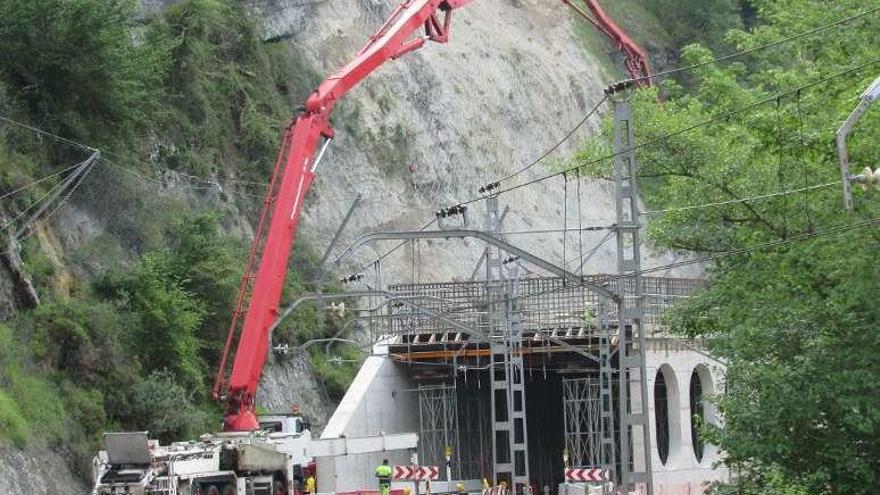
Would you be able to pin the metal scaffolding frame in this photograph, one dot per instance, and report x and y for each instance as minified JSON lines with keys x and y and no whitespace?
{"x":584,"y":432}
{"x":438,"y":426}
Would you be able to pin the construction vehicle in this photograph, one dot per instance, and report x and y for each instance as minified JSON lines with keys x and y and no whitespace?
{"x":269,"y":461}
{"x":251,"y":455}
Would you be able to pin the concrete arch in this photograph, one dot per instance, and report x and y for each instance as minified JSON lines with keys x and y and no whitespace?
{"x":700,"y":388}
{"x":667,"y":417}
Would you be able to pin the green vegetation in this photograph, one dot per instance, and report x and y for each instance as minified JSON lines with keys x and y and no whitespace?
{"x":662,"y":27}
{"x":796,"y":321}
{"x":132,"y":337}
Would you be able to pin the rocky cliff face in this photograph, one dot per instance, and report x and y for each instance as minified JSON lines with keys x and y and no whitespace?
{"x":36,"y":472}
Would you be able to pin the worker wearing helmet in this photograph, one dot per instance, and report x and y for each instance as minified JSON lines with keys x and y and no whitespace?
{"x":310,"y":484}
{"x":383,"y":472}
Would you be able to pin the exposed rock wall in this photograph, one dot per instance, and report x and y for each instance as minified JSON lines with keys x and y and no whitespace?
{"x":291,"y":381}
{"x":36,"y":472}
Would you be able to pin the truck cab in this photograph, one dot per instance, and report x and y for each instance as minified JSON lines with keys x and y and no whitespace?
{"x":291,"y":432}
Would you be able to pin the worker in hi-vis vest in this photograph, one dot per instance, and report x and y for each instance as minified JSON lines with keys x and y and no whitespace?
{"x":383,"y":472}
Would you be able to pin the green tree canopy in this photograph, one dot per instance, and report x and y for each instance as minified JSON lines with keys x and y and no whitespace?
{"x":796,"y":322}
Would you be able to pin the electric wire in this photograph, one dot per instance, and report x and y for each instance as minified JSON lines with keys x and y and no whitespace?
{"x":758,"y":247}
{"x":584,"y":257}
{"x":678,"y":132}
{"x":712,"y":257}
{"x":749,"y":51}
{"x":556,"y":231}
{"x":208,"y":182}
{"x":741,"y":200}
{"x":559,"y":143}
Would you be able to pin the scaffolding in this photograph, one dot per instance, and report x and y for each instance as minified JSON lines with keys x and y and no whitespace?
{"x":583,"y":422}
{"x":438,"y":426}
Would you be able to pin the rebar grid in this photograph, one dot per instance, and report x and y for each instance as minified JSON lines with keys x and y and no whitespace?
{"x":544,"y":304}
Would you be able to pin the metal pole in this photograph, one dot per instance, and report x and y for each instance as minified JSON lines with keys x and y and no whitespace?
{"x":867,"y":98}
{"x":632,"y":408}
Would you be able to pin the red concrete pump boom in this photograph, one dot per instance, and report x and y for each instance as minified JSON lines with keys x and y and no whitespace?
{"x":298,"y":157}
{"x":261,"y":285}
{"x":637,"y":65}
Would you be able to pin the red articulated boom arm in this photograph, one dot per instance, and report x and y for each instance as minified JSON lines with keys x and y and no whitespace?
{"x":260,"y":290}
{"x":637,"y":64}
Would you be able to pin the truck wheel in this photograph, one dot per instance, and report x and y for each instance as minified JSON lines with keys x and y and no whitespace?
{"x":212,"y":490}
{"x":278,"y":488}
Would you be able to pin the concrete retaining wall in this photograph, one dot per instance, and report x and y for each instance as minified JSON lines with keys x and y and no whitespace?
{"x":380,"y":400}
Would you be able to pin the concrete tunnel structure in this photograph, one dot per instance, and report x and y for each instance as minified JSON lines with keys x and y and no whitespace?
{"x":436,"y":382}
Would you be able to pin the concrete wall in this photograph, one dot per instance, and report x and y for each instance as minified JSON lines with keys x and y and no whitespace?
{"x":380,"y":400}
{"x":682,"y":474}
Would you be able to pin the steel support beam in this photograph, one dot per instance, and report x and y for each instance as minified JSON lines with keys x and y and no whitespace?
{"x":572,"y":348}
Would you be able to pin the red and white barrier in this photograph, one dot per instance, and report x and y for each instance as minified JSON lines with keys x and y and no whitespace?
{"x":415,"y":473}
{"x":495,"y":490}
{"x":583,"y":474}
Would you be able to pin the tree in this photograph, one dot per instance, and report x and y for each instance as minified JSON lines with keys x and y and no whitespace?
{"x":162,"y":406}
{"x":76,"y":68}
{"x":165,"y":319}
{"x":796,"y":322}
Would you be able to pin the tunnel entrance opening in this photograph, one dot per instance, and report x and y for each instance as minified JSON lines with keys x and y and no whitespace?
{"x":562,"y":418}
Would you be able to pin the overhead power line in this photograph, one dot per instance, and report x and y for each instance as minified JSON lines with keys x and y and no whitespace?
{"x":679,"y":132}
{"x":765,"y":46}
{"x":705,"y":259}
{"x":757,"y":247}
{"x":741,"y":200}
{"x":667,"y":136}
{"x":558,"y":143}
